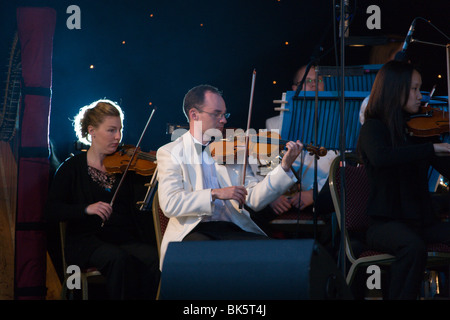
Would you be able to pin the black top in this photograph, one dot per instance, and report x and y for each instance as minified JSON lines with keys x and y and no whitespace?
{"x":398,"y":176}
{"x":72,"y":190}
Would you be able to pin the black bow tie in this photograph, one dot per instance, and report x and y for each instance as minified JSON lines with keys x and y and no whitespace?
{"x":200,"y":147}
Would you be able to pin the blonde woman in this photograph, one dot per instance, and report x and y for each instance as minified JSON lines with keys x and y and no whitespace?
{"x":98,"y":234}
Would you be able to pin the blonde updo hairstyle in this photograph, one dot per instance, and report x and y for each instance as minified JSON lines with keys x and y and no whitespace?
{"x":93,"y":115}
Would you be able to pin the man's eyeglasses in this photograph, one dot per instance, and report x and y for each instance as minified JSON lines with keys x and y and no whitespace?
{"x":216,"y":114}
{"x":309,"y":80}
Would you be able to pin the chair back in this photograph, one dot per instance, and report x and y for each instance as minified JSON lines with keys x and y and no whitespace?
{"x":356,"y":186}
{"x":62,"y":234}
{"x":160,"y":221}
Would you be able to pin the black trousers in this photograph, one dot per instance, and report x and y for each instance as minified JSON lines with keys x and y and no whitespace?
{"x":407,"y":242}
{"x":131,"y":270}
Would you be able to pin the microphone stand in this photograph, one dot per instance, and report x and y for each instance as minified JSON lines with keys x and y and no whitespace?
{"x":314,"y":60}
{"x":447,"y":50}
{"x":341,"y":258}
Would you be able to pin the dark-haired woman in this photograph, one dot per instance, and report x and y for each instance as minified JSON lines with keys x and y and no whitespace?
{"x":400,"y":210}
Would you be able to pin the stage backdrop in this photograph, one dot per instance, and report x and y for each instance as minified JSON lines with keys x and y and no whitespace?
{"x":36,"y":28}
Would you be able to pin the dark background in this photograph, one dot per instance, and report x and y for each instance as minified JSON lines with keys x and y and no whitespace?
{"x":187,"y":43}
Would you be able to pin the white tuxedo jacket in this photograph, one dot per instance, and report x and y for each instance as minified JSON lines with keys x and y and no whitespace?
{"x":183,"y":199}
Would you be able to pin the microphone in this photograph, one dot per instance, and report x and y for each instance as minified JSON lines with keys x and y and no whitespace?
{"x":401,"y":55}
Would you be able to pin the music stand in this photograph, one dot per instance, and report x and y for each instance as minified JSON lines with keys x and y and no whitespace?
{"x":314,"y":117}
{"x":298,"y":122}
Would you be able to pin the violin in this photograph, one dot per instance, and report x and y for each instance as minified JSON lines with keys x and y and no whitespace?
{"x":265,"y":145}
{"x":122,"y":165}
{"x":144,"y":163}
{"x":428,"y":122}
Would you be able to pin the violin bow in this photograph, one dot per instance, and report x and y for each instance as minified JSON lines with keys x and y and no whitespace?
{"x":131,"y":160}
{"x":431,"y":95}
{"x":250,"y":107}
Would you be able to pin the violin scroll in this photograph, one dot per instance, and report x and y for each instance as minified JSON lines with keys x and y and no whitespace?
{"x":317,"y":151}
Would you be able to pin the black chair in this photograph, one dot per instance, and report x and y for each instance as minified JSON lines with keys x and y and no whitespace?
{"x":356,"y":220}
{"x":85,"y":274}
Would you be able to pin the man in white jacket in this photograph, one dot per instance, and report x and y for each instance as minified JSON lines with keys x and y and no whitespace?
{"x":203,"y":198}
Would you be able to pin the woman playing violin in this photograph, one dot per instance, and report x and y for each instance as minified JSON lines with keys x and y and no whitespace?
{"x":402,"y":222}
{"x":99,"y":234}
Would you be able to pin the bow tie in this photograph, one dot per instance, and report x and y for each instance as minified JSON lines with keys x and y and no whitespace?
{"x":200,"y":147}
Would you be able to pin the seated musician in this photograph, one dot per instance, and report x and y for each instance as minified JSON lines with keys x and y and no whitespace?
{"x":380,"y":54}
{"x":201,"y":197}
{"x":402,"y":221}
{"x":98,"y":234}
{"x":291,"y":202}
